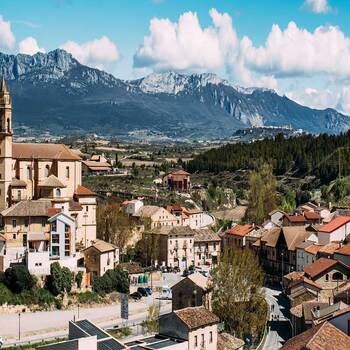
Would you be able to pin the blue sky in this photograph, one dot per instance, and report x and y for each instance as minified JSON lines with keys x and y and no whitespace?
{"x":307,"y":57}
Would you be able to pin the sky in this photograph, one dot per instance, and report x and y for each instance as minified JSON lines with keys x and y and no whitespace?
{"x":300,"y":48}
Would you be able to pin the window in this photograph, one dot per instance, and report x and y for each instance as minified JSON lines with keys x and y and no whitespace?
{"x":26,"y":222}
{"x":58,"y":192}
{"x":29,"y":173}
{"x":47,"y":170}
{"x":67,"y":172}
{"x":24,"y":240}
{"x":43,"y":222}
{"x":214,"y":246}
{"x":195,"y":341}
{"x":87,"y":208}
{"x":55,"y":238}
{"x":19,"y":194}
{"x":14,"y":223}
{"x":54,"y":226}
{"x":14,"y":236}
{"x":55,"y":251}
{"x":327,"y":277}
{"x":202,"y":340}
{"x":337,"y":276}
{"x":211,"y":337}
{"x":66,"y":228}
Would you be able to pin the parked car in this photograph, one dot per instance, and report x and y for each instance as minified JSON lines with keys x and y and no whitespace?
{"x":166,"y":293}
{"x":142,"y":291}
{"x":185,"y":273}
{"x":149,"y":290}
{"x":136,"y":296}
{"x":1,"y":342}
{"x":205,"y":273}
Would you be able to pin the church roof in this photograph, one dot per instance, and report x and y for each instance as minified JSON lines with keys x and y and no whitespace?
{"x":83,"y":191}
{"x":42,"y":151}
{"x":51,"y":181}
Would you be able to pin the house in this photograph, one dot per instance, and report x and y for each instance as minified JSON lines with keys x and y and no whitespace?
{"x":276,"y":216}
{"x":197,"y":325}
{"x":236,"y":235}
{"x":329,"y":274}
{"x":177,"y":181}
{"x":207,"y":247}
{"x":306,"y":254}
{"x":132,"y":206}
{"x":100,"y":257}
{"x":324,"y":336}
{"x":187,"y":217}
{"x":194,"y":290}
{"x":152,"y":217}
{"x":277,"y":250}
{"x":97,"y":165}
{"x":310,"y":207}
{"x":343,"y":254}
{"x":294,"y":220}
{"x":176,"y":246}
{"x":312,"y":217}
{"x":335,"y":231}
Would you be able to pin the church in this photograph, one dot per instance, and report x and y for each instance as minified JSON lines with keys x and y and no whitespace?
{"x":40,"y":194}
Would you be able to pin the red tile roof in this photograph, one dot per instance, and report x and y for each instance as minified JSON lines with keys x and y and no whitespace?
{"x":310,"y":215}
{"x":344,"y":250}
{"x":320,"y":265}
{"x":53,"y":211}
{"x":295,"y":218}
{"x":329,"y":248}
{"x":83,"y":191}
{"x":324,"y":336}
{"x":335,"y":224}
{"x":313,"y":249}
{"x":240,"y":230}
{"x":180,"y":172}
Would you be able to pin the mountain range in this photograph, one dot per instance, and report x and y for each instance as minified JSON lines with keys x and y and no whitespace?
{"x":54,"y":92}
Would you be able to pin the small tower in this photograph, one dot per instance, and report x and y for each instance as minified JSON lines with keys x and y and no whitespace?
{"x":5,"y":145}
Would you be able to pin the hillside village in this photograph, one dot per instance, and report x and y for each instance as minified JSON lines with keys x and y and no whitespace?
{"x":51,"y":232}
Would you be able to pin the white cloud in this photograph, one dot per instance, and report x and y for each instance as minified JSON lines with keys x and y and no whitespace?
{"x":186,"y":45}
{"x":29,"y":46}
{"x":317,"y":6}
{"x":7,"y":38}
{"x":99,"y":53}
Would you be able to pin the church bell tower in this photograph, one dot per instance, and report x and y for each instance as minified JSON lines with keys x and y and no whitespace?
{"x":5,"y":145}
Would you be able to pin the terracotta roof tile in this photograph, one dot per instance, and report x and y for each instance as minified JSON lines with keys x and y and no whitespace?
{"x":205,"y":235}
{"x":227,"y":341}
{"x":83,"y":191}
{"x":240,"y":230}
{"x":131,"y":267}
{"x":42,"y":151}
{"x":28,"y":208}
{"x":313,"y":249}
{"x":179,"y":172}
{"x":196,"y":317}
{"x":102,"y":246}
{"x":324,"y":336}
{"x":320,"y":265}
{"x":310,"y":215}
{"x":295,"y":218}
{"x":335,"y":224}
{"x":53,"y":211}
{"x":52,"y":182}
{"x":329,"y":248}
{"x":344,"y":250}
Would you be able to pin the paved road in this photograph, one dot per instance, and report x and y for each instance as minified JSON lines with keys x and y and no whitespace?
{"x":38,"y":325}
{"x":279,"y":326}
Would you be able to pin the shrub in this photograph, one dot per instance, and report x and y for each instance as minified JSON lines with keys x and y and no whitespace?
{"x":60,"y":280}
{"x":58,"y":303}
{"x":18,"y":279}
{"x":116,"y":280}
{"x":79,"y":279}
{"x":44,"y":297}
{"x":5,"y":294}
{"x":88,"y":297}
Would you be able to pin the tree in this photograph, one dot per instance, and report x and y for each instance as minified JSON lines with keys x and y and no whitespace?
{"x":289,"y":202}
{"x":151,"y":323}
{"x":60,"y":279}
{"x":18,"y":279}
{"x":113,"y":225}
{"x":262,"y":194}
{"x":238,"y":297}
{"x":79,"y":279}
{"x":116,"y":280}
{"x":339,"y":190}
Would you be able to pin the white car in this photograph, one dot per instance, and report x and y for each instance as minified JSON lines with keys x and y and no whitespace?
{"x":1,"y":342}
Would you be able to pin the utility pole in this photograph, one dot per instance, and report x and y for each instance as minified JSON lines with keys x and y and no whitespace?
{"x":19,"y":326}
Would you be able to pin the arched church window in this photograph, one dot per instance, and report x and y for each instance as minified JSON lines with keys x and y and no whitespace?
{"x":47,"y":170}
{"x":337,"y":276}
{"x":58,"y":192}
{"x":8,"y":125}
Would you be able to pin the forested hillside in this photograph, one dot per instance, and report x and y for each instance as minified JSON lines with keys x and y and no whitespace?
{"x":324,"y":156}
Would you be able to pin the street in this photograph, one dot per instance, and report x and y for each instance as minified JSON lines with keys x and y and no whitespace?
{"x":43,"y":325}
{"x":279,"y":325}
